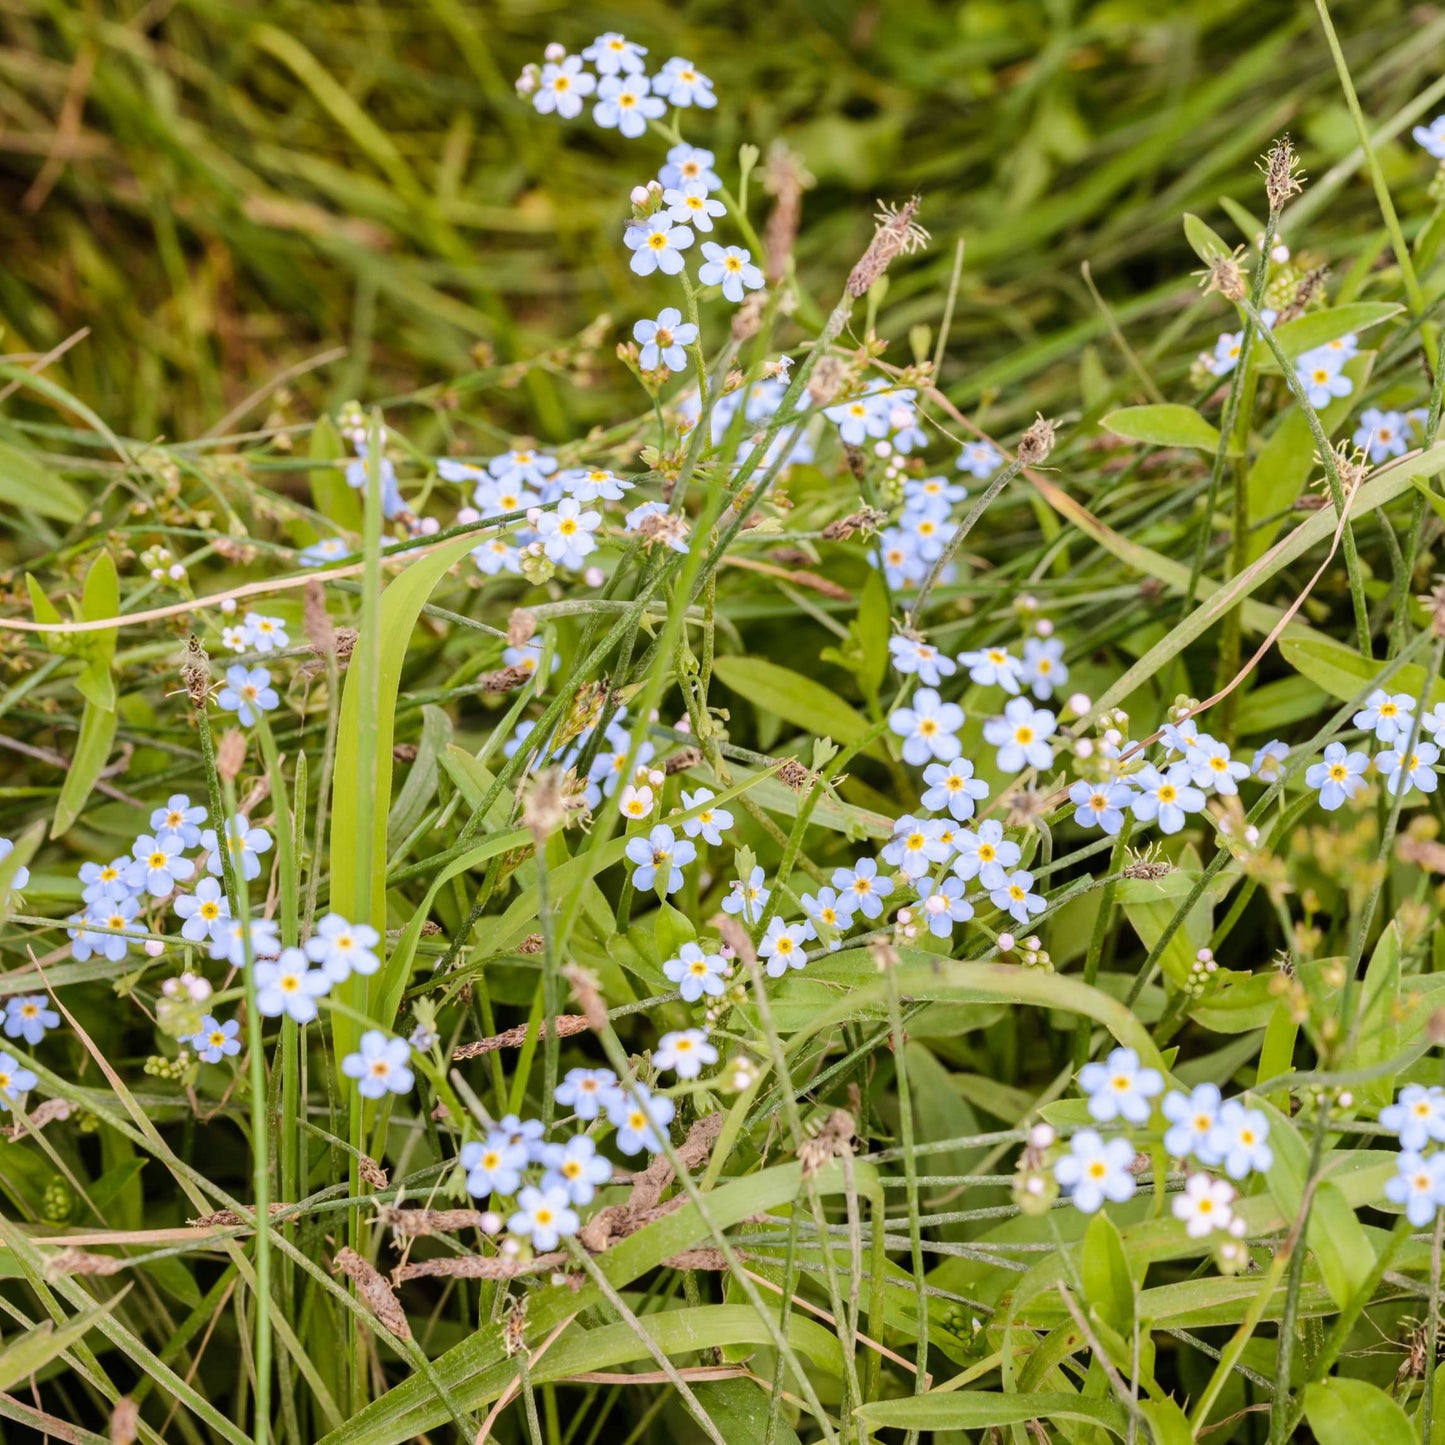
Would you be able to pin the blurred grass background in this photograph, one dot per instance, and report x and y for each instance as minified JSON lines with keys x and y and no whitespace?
{"x":220,"y":191}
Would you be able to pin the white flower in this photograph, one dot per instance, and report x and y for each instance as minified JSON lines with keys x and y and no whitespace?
{"x":1120,"y":1087}
{"x":993,"y":666}
{"x":657,"y":244}
{"x":686,"y":1052}
{"x":1204,"y":1206}
{"x":1094,"y":1170}
{"x":635,"y":802}
{"x":566,"y":533}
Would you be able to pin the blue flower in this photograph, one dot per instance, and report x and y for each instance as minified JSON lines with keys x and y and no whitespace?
{"x":1338,"y":777}
{"x":929,"y":728}
{"x":690,"y":163}
{"x":497,"y":555}
{"x":1120,"y":1087}
{"x":392,"y":504}
{"x":286,"y":985}
{"x":576,"y":1168}
{"x":663,"y":340}
{"x":587,"y":1091}
{"x":748,"y":899}
{"x":1382,"y":433}
{"x":994,"y":666}
{"x":953,"y":786}
{"x":15,"y":1081}
{"x":657,"y":244}
{"x":158,"y":865}
{"x":913,"y":655}
{"x":1165,"y":797}
{"x":614,"y":54}
{"x":686,"y":1052}
{"x":117,"y":917}
{"x":916,"y":844}
{"x":544,"y":1216}
{"x":1432,"y":137}
{"x":566,"y":532}
{"x":1016,"y":897}
{"x":1419,"y":1184}
{"x":380,"y":1065}
{"x":1021,"y":736}
{"x":943,"y":904}
{"x":522,"y":467}
{"x":1320,"y":375}
{"x":691,"y":205}
{"x":921,"y":492}
{"x":1268,"y":760}
{"x":180,"y":818}
{"x":861,"y":418}
{"x":27,"y":1017}
{"x":493,"y":1166}
{"x":1416,"y":1117}
{"x":1389,"y":718}
{"x":683,"y":84}
{"x":898,"y":556}
{"x":1192,"y":1118}
{"x":659,"y":856}
{"x":979,"y":459}
{"x":985,"y":855}
{"x":1043,"y":665}
{"x":215,"y":1040}
{"x":862,"y":884}
{"x":1100,"y":805}
{"x":243,"y":842}
{"x":638,"y":1118}
{"x":709,"y":822}
{"x":594,"y":484}
{"x":696,"y":973}
{"x":343,"y":948}
{"x":1403,"y":771}
{"x":625,"y":104}
{"x":1094,"y":1170}
{"x":562,"y":86}
{"x":730,"y":267}
{"x":782,"y":947}
{"x":103,"y":881}
{"x":248,"y":693}
{"x":328,"y":549}
{"x":1238,"y":1139}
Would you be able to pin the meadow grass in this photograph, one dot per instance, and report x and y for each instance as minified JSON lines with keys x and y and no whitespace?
{"x":868,"y":1214}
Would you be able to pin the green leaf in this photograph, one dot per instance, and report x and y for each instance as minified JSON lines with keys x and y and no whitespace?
{"x":1346,"y":1411}
{"x":1108,"y":1286}
{"x":1163,"y":426}
{"x":1379,"y":1027}
{"x":26,"y":483}
{"x":739,"y":1408}
{"x":1317,"y":327}
{"x":100,"y":598}
{"x":335,"y":500}
{"x":92,"y":748}
{"x":1207,"y":243}
{"x":794,"y":698}
{"x":416,"y":792}
{"x":1334,"y":1232}
{"x":1342,"y":672}
{"x":31,"y":1352}
{"x":400,"y":606}
{"x":980,"y":1409}
{"x":1167,"y":1422}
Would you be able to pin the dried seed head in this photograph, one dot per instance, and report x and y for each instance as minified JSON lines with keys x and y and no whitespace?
{"x":315,"y":621}
{"x":521,"y":627}
{"x":544,"y":805}
{"x":666,"y":528}
{"x":532,"y":943}
{"x":1225,"y":275}
{"x":514,"y":1334}
{"x":865,"y":520}
{"x":374,"y":1291}
{"x":231,"y":755}
{"x":506,"y":679}
{"x":196,"y":672}
{"x":371,"y":1171}
{"x":1148,"y":868}
{"x":827,"y":379}
{"x":588,"y":993}
{"x":1283,"y":173}
{"x":1350,"y":464}
{"x":833,"y":1140}
{"x":785,"y":178}
{"x":794,"y":774}
{"x":1036,"y":443}
{"x":1304,"y":293}
{"x":748,"y":318}
{"x":125,"y":1422}
{"x":681,"y":762}
{"x":897,"y":234}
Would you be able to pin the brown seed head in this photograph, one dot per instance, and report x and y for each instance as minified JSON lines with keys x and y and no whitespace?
{"x":897,"y":234}
{"x":1283,"y":173}
{"x":521,"y":627}
{"x":1036,"y":443}
{"x":1225,"y":275}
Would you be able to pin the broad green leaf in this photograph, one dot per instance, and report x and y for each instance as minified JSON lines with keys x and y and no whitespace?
{"x":1334,"y":1233}
{"x":1165,"y":425}
{"x":401,"y":605}
{"x":1207,"y":243}
{"x":33,"y":1351}
{"x":980,"y":1409}
{"x":29,"y":484}
{"x":100,"y":598}
{"x":1342,"y":672}
{"x":1168,"y":1423}
{"x":1378,"y":1030}
{"x":739,"y":1408}
{"x":1150,"y":905}
{"x":806,"y":704}
{"x":1108,"y":1287}
{"x":415,"y":794}
{"x":1346,"y":1411}
{"x":1318,"y":327}
{"x":92,"y":748}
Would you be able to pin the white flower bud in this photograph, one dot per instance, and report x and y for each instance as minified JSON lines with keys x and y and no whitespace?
{"x":154,"y":947}
{"x":1042,"y":1136}
{"x":228,"y":605}
{"x":594,"y":577}
{"x":1044,"y":627}
{"x":177,"y":573}
{"x":639,"y":196}
{"x":1084,"y":748}
{"x":1005,"y":942}
{"x":554,"y":53}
